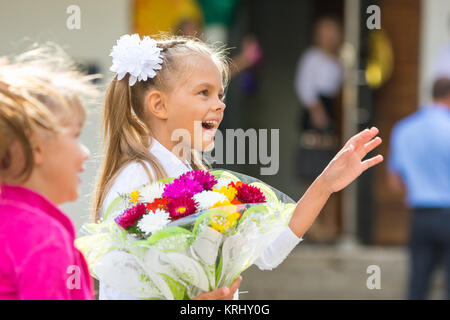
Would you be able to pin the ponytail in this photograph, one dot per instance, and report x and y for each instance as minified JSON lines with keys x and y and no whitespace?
{"x":127,"y":139}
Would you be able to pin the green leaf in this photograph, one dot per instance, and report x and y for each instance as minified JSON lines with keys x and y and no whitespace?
{"x":178,"y":289}
{"x":112,"y":207}
{"x":219,"y":270}
{"x":166,"y":180}
{"x":167,"y":240}
{"x":224,"y":174}
{"x":202,"y":220}
{"x":166,"y":232}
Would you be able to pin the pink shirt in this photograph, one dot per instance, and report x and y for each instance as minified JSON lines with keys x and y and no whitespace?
{"x":38,"y":259}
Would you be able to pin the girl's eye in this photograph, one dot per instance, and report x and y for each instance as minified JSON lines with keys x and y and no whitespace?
{"x":204,"y":92}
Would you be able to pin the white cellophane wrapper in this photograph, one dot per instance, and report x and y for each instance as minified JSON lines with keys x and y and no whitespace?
{"x":187,"y":257}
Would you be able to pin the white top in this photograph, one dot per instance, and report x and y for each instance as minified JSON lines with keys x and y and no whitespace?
{"x":317,"y":74}
{"x":441,"y":66}
{"x":134,"y":175}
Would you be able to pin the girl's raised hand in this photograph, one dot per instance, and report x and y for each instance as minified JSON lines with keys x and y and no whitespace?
{"x":347,"y":165}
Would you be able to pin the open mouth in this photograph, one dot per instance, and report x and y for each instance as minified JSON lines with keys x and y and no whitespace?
{"x":208,"y":125}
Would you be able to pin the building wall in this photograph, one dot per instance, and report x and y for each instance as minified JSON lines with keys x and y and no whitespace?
{"x":396,"y":99}
{"x":102,"y":22}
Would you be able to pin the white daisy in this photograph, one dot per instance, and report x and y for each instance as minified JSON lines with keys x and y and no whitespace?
{"x":206,"y":199}
{"x":151,"y":192}
{"x":153,"y":221}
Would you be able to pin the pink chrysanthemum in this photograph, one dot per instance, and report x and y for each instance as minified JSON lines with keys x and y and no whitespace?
{"x":250,"y":194}
{"x":131,"y":216}
{"x":181,"y":188}
{"x":204,"y":178}
{"x":181,"y":207}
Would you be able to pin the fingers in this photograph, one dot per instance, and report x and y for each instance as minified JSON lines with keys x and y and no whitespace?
{"x":235,"y":285}
{"x":217,"y":294}
{"x":369,"y":146}
{"x":223,"y":293}
{"x":362,"y":138}
{"x":372,"y":162}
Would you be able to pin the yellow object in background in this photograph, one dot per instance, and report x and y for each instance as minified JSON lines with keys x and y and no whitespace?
{"x":152,"y":17}
{"x":381,"y":59}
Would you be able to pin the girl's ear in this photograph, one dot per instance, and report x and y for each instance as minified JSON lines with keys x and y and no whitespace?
{"x":38,"y":150}
{"x":155,"y":103}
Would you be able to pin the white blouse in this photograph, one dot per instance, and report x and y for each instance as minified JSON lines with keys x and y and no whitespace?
{"x":317,"y":74}
{"x":134,"y":175}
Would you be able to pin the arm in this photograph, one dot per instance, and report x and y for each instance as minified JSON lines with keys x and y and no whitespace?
{"x":319,"y":116}
{"x":396,"y":183}
{"x":394,"y":164}
{"x":251,"y":53}
{"x":342,"y":170}
{"x":345,"y":167}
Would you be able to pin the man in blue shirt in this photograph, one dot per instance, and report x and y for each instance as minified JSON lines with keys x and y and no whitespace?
{"x":419,"y":163}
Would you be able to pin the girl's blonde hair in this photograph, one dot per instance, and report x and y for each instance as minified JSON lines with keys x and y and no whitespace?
{"x":126,"y":135}
{"x":39,"y":92}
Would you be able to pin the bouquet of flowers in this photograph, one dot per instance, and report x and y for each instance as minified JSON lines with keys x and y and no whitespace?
{"x":179,"y":237}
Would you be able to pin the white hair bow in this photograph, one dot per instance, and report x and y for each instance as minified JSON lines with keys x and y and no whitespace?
{"x":139,"y":58}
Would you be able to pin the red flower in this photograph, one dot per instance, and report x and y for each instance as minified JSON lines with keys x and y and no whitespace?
{"x":236,"y":201}
{"x":158,"y":203}
{"x":250,"y":194}
{"x":181,"y":207}
{"x":236,"y":185}
{"x":130,"y":216}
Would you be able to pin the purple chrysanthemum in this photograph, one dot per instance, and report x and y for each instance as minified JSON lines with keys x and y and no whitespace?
{"x":182,"y":187}
{"x":131,"y":216}
{"x":206,"y":180}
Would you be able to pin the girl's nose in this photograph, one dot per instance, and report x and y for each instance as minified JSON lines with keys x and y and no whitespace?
{"x":221,"y":105}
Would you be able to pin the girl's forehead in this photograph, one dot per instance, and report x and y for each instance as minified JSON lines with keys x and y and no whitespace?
{"x":74,"y":117}
{"x":199,"y":70}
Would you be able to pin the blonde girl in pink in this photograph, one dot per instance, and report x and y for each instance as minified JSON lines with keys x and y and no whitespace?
{"x":41,"y":157}
{"x":178,"y":83}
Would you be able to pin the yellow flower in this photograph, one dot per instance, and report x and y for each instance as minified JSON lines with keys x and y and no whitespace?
{"x":222,"y":222}
{"x":230,"y":192}
{"x":226,"y":206}
{"x":134,"y":197}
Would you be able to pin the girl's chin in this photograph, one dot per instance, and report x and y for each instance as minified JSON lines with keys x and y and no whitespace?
{"x":205,"y":147}
{"x":208,"y":147}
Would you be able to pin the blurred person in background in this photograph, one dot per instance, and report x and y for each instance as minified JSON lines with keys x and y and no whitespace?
{"x":317,"y":84}
{"x":319,"y":75}
{"x":419,"y":165}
